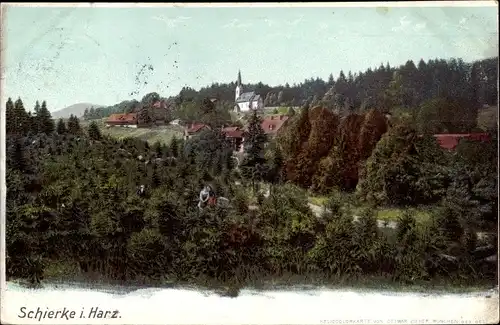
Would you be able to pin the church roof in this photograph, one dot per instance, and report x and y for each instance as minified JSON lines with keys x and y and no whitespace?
{"x":247,"y":97}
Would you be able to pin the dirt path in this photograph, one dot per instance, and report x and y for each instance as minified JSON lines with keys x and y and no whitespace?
{"x":318,"y":210}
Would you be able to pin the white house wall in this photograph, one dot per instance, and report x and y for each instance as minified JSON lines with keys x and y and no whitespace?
{"x":259,"y":104}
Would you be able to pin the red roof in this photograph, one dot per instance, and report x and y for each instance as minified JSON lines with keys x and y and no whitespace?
{"x":272,"y":123}
{"x":160,"y":104}
{"x":195,"y":127}
{"x":130,"y":118}
{"x":450,"y":141}
{"x":233,"y":132}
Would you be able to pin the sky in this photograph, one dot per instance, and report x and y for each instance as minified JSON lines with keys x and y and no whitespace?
{"x":69,"y":55}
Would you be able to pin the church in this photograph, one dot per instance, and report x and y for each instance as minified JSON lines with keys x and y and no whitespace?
{"x":244,"y":102}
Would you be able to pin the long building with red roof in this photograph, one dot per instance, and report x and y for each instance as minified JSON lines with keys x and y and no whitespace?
{"x":125,"y":120}
{"x":450,"y":141}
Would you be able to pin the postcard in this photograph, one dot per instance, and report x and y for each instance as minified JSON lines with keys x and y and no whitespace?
{"x":249,"y":163}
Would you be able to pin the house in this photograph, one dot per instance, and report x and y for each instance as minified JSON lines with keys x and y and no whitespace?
{"x":193,"y":129}
{"x":159,"y":112}
{"x":450,"y":141}
{"x":244,"y":102}
{"x":271,"y":124}
{"x":175,"y":122}
{"x":235,"y":135}
{"x":124,"y":120}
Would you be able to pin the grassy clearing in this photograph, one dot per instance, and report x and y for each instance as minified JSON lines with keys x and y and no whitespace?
{"x":422,"y":214}
{"x":318,"y":200}
{"x":487,"y":118}
{"x":283,"y":110}
{"x":164,"y":135}
{"x":100,"y":122}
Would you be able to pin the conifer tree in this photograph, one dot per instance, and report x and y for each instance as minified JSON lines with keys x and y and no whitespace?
{"x":16,"y":158}
{"x":10,"y":117}
{"x":255,"y":139}
{"x":155,"y":178}
{"x":31,"y":124}
{"x":17,"y":117}
{"x":21,"y":113}
{"x":145,"y":116}
{"x":61,"y":127}
{"x":374,"y":126}
{"x":74,"y":125}
{"x":45,"y":120}
{"x":276,"y":174}
{"x":158,"y":148}
{"x":94,"y":132}
{"x":174,"y":147}
{"x":36,"y":122}
{"x":324,"y":124}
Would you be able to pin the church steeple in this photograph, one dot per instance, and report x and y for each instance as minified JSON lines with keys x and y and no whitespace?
{"x":239,"y":87}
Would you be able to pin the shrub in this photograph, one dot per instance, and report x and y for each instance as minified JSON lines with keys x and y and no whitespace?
{"x":404,"y":169}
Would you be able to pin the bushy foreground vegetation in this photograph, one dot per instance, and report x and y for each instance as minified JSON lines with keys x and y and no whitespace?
{"x":72,"y":197}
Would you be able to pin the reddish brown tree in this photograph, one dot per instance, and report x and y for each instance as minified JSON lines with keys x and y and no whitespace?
{"x":374,"y":126}
{"x":294,"y":143}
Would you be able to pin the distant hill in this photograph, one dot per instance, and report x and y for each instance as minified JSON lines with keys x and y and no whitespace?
{"x":76,"y":109}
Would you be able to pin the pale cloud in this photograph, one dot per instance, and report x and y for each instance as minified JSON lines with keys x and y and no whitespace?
{"x":297,"y":21}
{"x":235,"y":23}
{"x":274,"y":35}
{"x":462,"y":24}
{"x":171,"y":22}
{"x":468,"y":45}
{"x":323,"y":26}
{"x":270,"y":22}
{"x":444,"y":25}
{"x":420,"y":26}
{"x":404,"y":23}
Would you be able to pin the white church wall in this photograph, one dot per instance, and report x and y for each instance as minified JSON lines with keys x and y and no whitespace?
{"x":244,"y":107}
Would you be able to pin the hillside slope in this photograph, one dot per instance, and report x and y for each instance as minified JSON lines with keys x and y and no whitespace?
{"x":162,"y":134}
{"x":76,"y":109}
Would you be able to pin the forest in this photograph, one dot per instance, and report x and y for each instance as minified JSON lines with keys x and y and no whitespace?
{"x":349,"y":92}
{"x":74,"y":209}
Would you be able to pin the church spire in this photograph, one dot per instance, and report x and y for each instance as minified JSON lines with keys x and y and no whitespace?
{"x":239,"y":87}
